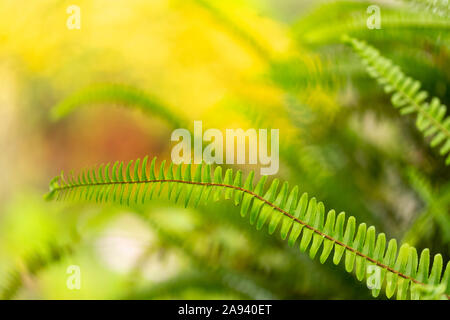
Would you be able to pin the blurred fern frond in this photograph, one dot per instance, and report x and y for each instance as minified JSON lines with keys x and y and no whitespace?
{"x":404,"y":272}
{"x":228,"y":278}
{"x":32,"y":264}
{"x":117,"y":94}
{"x":407,"y":96}
{"x":182,"y":282}
{"x":434,"y":216}
{"x":440,"y":8}
{"x":326,"y":24}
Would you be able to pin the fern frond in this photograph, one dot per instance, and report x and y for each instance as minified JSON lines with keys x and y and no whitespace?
{"x":435,"y":208}
{"x":117,"y":94}
{"x":186,"y":280}
{"x":33,"y":264}
{"x":297,"y":217}
{"x":227,"y":276}
{"x":407,"y":96}
{"x":329,"y":21}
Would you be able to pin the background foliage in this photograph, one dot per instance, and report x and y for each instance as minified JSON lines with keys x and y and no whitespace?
{"x":234,"y":64}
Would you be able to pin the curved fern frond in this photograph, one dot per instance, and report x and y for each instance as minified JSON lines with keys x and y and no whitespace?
{"x":118,"y":94}
{"x":331,"y":19}
{"x":32,"y":265}
{"x":407,"y":96}
{"x":297,"y":217}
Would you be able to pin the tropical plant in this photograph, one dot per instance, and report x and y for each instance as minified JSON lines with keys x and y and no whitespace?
{"x":272,"y":64}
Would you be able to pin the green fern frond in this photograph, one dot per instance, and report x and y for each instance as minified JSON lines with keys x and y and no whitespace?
{"x":117,"y":94}
{"x":228,"y":277}
{"x":33,"y":264}
{"x":175,"y":286}
{"x":435,"y":212}
{"x":297,"y":217}
{"x":326,"y":23}
{"x":407,"y":96}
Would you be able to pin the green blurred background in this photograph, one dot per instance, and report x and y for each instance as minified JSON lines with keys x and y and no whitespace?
{"x":231,"y":64}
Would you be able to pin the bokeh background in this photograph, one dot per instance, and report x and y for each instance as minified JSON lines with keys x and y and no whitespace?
{"x":232,"y":64}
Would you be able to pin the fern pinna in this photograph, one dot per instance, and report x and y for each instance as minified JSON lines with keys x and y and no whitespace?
{"x":407,"y":96}
{"x":297,"y":216}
